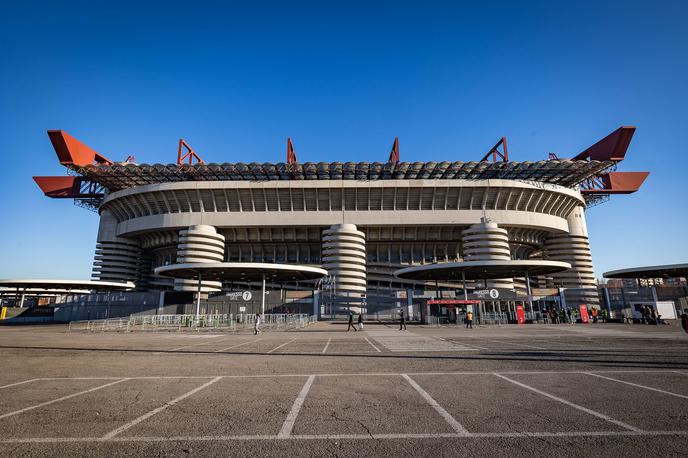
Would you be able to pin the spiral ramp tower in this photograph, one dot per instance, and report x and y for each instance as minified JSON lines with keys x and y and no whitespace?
{"x":344,"y":258}
{"x":199,"y":243}
{"x":486,"y":241}
{"x":574,"y":248}
{"x":117,"y":260}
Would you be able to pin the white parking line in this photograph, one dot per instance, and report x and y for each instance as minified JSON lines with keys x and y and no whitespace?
{"x":195,"y":345}
{"x":682,"y":373}
{"x":358,"y":374}
{"x":571,"y":404}
{"x":324,"y":350}
{"x":474,"y":346}
{"x":145,"y":416}
{"x":280,"y":346}
{"x":288,"y":424}
{"x":637,"y":385}
{"x":20,"y":383}
{"x":456,"y":426}
{"x":517,"y":344}
{"x":474,"y":436}
{"x":239,"y":345}
{"x":371,"y":344}
{"x":63,"y":398}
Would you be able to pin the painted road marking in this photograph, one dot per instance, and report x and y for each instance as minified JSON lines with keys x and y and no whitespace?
{"x":637,"y":385}
{"x":20,"y":383}
{"x":239,"y":345}
{"x":360,"y":374}
{"x":145,"y":416}
{"x":288,"y":424}
{"x":517,"y":344}
{"x":456,"y":426}
{"x":324,"y":350}
{"x":63,"y":398}
{"x":144,"y":439}
{"x":413,"y":343}
{"x":571,"y":404}
{"x":280,"y":346}
{"x":195,"y":345}
{"x":372,"y":345}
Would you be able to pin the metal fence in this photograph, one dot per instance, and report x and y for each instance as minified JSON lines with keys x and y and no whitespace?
{"x":226,"y":322}
{"x":494,"y":318}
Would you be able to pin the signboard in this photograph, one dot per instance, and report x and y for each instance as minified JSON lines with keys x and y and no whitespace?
{"x":490,"y":294}
{"x":584,"y":313}
{"x":451,"y":302}
{"x":520,"y":314}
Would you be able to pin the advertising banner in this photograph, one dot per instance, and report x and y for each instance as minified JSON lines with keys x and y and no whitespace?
{"x":584,"y":313}
{"x":520,"y":314}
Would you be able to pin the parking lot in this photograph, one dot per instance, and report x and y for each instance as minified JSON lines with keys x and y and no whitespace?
{"x":533,"y":390}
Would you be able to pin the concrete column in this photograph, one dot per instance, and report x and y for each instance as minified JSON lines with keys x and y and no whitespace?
{"x":199,"y":243}
{"x":574,"y":248}
{"x":344,"y":258}
{"x":486,"y":241}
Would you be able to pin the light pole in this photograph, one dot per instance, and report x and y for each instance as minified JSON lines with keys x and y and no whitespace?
{"x":198,"y":297}
{"x":262,"y":303}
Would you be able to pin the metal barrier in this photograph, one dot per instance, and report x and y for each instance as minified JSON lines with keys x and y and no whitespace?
{"x":494,"y":318}
{"x":193,"y":322}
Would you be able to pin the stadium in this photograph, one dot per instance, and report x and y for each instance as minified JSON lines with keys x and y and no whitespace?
{"x":360,"y":221}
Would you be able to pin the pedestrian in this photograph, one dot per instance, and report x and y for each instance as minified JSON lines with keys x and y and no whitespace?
{"x":402,"y":320}
{"x":256,"y":328}
{"x":360,"y":321}
{"x":568,"y":315}
{"x":351,"y":322}
{"x":469,"y":319}
{"x":653,"y":315}
{"x":684,"y":320}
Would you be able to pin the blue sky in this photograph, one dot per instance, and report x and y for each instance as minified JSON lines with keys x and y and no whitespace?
{"x":342,"y":79}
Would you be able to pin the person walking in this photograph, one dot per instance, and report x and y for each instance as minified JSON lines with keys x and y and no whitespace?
{"x":402,"y":320}
{"x":360,"y":321}
{"x":568,"y":316}
{"x":351,"y":322}
{"x":256,"y":328}
{"x":684,"y":320}
{"x":469,"y":319}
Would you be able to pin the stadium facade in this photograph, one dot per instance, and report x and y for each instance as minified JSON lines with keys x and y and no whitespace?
{"x":360,"y":221}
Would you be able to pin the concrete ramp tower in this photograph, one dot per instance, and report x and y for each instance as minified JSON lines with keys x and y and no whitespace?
{"x":574,"y":248}
{"x":344,"y":257}
{"x":199,"y":243}
{"x":486,"y":241}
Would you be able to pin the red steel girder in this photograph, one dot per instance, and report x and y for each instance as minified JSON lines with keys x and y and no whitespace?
{"x":190,"y":154}
{"x":614,"y":183}
{"x":71,"y":152}
{"x":494,"y":151}
{"x":394,"y":154}
{"x":613,"y":147}
{"x":291,"y":154}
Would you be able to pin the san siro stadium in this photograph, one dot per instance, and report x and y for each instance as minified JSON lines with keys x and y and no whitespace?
{"x":360,"y":221}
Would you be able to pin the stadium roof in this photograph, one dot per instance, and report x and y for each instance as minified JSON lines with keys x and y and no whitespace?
{"x":665,"y":271}
{"x":117,"y":176}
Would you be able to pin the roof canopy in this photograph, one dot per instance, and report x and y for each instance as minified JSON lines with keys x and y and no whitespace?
{"x":665,"y":271}
{"x":241,"y":271}
{"x":119,"y":176}
{"x":45,"y":284}
{"x":481,"y":270}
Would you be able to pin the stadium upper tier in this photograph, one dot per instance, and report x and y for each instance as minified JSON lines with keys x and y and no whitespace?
{"x":123,"y":175}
